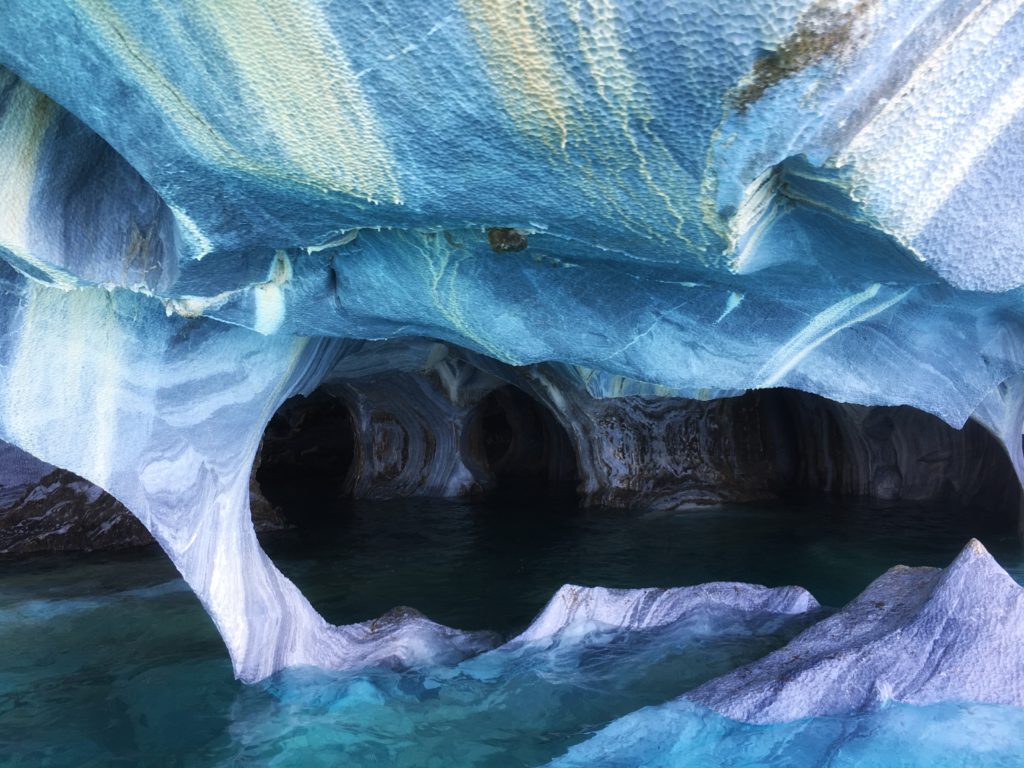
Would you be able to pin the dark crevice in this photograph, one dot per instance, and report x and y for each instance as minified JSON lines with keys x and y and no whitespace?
{"x":306,"y":458}
{"x":522,"y":447}
{"x":888,"y":455}
{"x":769,"y":444}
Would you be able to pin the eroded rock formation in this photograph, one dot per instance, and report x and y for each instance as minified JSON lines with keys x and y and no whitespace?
{"x":915,"y":635}
{"x":441,"y":426}
{"x":632,"y":211}
{"x":575,"y":611}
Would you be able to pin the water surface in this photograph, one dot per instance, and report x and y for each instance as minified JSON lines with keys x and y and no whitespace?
{"x":109,"y":659}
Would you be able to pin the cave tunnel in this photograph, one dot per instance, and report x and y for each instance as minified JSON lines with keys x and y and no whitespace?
{"x":306,"y":458}
{"x":522,"y":448}
{"x":886,"y":455}
{"x":777,"y":443}
{"x":310,"y":455}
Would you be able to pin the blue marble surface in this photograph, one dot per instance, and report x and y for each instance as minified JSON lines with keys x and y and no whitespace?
{"x":204,"y":206}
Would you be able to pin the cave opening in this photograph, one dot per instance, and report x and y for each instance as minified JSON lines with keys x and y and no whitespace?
{"x":522,"y":449}
{"x":306,"y":459}
{"x":887,"y":457}
{"x":778,"y":444}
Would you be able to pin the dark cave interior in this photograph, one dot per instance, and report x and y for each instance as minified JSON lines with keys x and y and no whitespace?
{"x":770,"y":444}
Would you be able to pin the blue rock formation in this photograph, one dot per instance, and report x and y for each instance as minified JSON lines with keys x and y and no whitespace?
{"x":206,"y":207}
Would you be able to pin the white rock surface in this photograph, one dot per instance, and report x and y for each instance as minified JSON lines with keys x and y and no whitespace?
{"x":915,"y":635}
{"x":578,"y":610}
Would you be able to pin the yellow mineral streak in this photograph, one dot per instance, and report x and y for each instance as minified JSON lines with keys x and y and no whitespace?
{"x":295,"y":74}
{"x":268,"y":299}
{"x":22,"y":126}
{"x":546,"y":101}
{"x":627,"y":100}
{"x":442,"y":264}
{"x":296,"y":86}
{"x":523,"y":66}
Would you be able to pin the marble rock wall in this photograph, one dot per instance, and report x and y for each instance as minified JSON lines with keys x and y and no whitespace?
{"x":441,"y":426}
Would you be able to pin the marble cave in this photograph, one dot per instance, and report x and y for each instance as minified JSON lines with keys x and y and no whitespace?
{"x":511,"y":382}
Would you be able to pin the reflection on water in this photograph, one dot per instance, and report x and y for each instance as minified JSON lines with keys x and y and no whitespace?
{"x":107,"y":659}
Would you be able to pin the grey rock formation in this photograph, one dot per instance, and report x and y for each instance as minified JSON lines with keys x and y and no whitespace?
{"x":43,"y":508}
{"x":698,"y":201}
{"x":437,"y":420}
{"x":418,"y":418}
{"x":664,"y":452}
{"x":408,"y":432}
{"x":894,"y":453}
{"x":46,"y":509}
{"x":915,"y":635}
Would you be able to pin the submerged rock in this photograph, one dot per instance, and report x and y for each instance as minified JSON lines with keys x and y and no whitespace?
{"x":401,"y":638}
{"x":915,"y":635}
{"x":926,"y":664}
{"x":686,"y":734}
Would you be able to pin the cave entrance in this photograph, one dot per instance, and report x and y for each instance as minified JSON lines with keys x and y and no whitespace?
{"x":306,"y":459}
{"x":887,"y":456}
{"x":523,"y":449}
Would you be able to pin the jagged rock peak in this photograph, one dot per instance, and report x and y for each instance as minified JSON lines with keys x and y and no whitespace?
{"x":915,"y":635}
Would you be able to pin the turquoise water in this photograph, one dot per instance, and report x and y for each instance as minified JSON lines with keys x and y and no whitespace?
{"x":897,"y":736}
{"x":109,"y":660}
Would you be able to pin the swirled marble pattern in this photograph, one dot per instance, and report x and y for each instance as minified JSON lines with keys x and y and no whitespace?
{"x":205,"y":208}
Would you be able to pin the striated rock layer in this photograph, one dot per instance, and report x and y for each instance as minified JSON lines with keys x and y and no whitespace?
{"x":576,"y":611}
{"x":420,"y":418}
